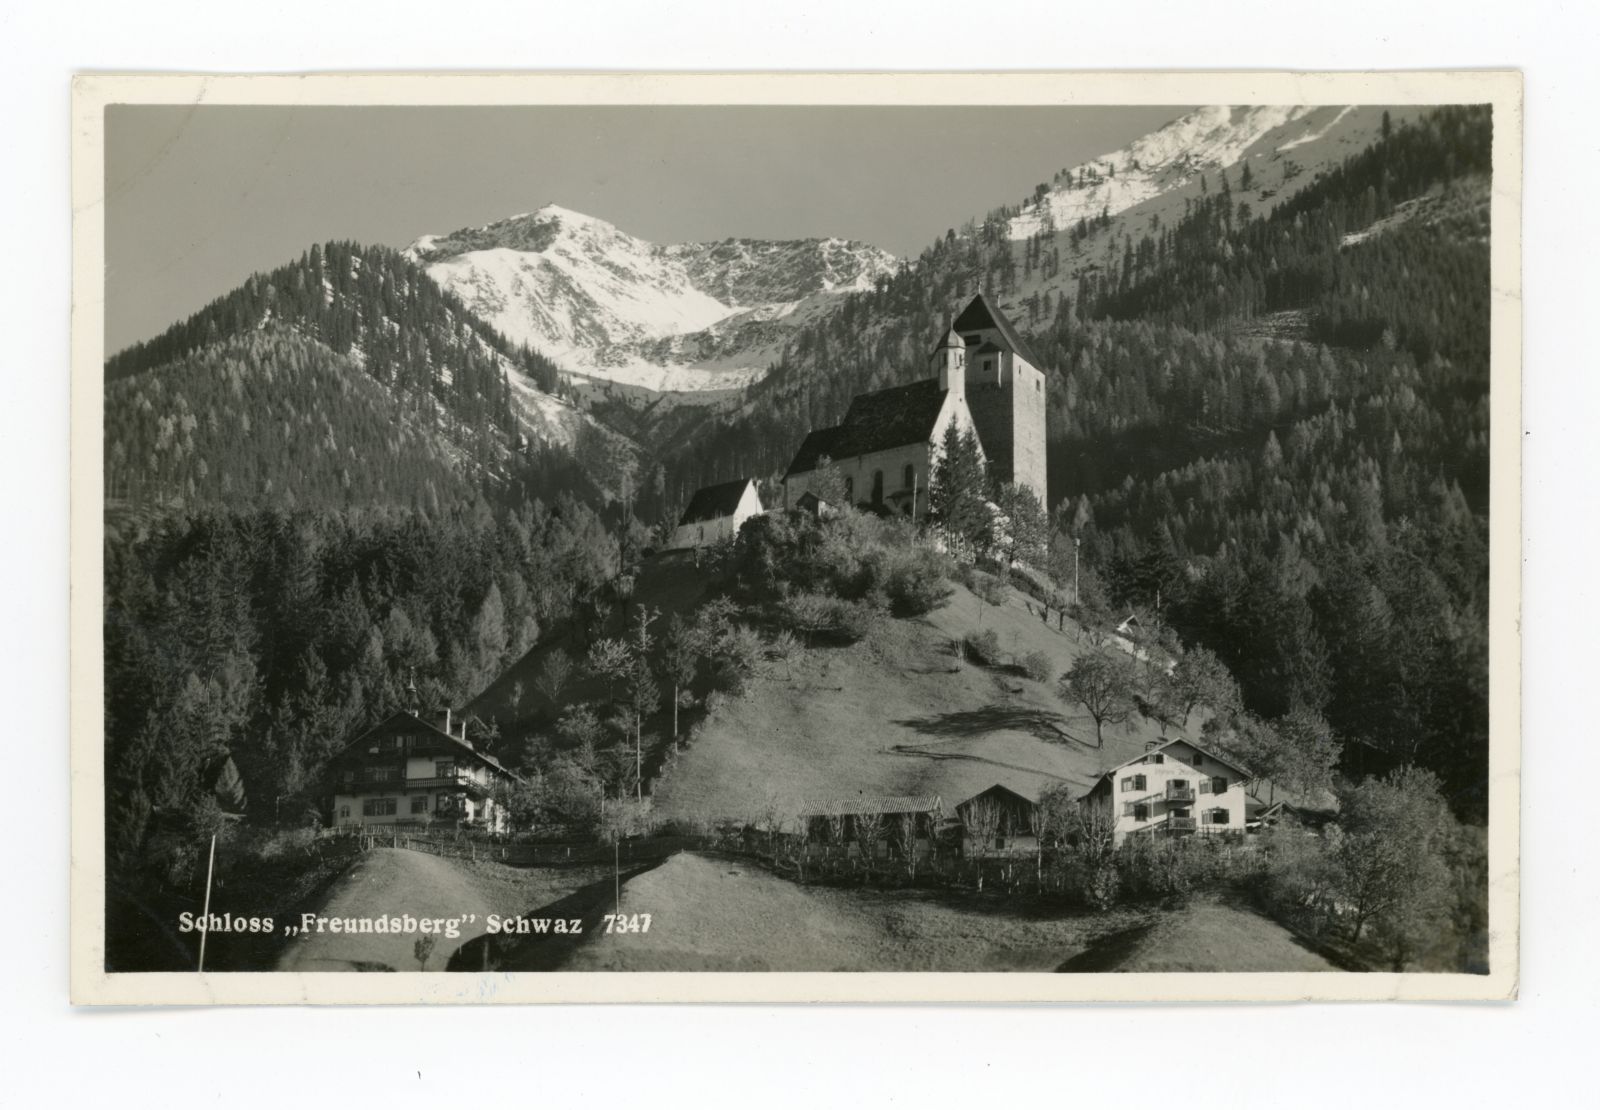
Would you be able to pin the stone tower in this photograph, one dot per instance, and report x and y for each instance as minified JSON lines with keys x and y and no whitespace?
{"x":1005,"y":392}
{"x":949,"y":360}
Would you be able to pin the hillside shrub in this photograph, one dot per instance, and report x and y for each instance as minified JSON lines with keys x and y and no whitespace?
{"x":855,"y":620}
{"x":818,"y":615}
{"x":737,"y":660}
{"x":1038,"y":666}
{"x":982,"y":648}
{"x":854,"y":556}
{"x":918,"y":582}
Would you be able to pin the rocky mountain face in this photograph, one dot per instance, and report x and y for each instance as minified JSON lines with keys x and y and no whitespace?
{"x":632,"y":319}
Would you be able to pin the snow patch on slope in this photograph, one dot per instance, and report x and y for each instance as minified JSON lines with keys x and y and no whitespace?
{"x":1209,"y":138}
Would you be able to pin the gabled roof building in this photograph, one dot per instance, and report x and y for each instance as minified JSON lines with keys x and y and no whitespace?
{"x":1174,"y":788}
{"x":716,"y":513}
{"x":408,"y":770}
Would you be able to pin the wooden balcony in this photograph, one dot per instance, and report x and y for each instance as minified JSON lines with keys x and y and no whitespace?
{"x":1180,"y":792}
{"x":1180,"y":824}
{"x":457,"y":779}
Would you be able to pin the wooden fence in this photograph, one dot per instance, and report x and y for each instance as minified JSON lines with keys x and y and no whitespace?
{"x":514,"y":853}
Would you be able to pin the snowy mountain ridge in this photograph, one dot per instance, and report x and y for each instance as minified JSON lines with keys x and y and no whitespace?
{"x":615,"y":309}
{"x":1212,"y":137}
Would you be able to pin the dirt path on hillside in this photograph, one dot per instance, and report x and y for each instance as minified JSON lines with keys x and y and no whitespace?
{"x":387,"y":882}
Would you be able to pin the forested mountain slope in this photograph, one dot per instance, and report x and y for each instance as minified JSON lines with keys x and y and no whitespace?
{"x":345,"y":377}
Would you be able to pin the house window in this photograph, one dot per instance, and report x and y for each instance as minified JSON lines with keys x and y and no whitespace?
{"x":419,"y":803}
{"x":1127,"y":784}
{"x":910,"y":476}
{"x":444,"y":769}
{"x":1159,"y":757}
{"x":1216,"y":817}
{"x":1198,"y":760}
{"x":1141,"y":812}
{"x":344,"y":811}
{"x":1219,"y":785}
{"x":379,"y":807}
{"x":877,"y":487}
{"x":1205,"y":786}
{"x":349,"y":774}
{"x":1038,"y":385}
{"x":1139,"y":782}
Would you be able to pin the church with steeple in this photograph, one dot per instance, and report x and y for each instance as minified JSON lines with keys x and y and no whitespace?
{"x":982,"y":377}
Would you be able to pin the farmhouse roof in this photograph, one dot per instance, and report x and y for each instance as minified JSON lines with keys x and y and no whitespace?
{"x":1207,"y":752}
{"x":413,"y":722}
{"x":712,"y":502}
{"x":877,"y":421}
{"x":871,"y":803}
{"x":1001,"y":788}
{"x":984,"y":313}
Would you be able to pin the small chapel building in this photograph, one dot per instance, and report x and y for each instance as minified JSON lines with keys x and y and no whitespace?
{"x":983,"y":378}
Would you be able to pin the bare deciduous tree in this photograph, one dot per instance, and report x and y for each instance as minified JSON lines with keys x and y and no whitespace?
{"x":555,"y":672}
{"x":869,"y":831}
{"x":1103,"y":686}
{"x":905,"y":838}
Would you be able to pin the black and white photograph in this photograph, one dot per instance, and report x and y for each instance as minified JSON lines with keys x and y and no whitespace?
{"x":850,"y":535}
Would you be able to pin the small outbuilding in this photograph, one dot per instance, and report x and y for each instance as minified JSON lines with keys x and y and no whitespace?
{"x":716,"y":513}
{"x":998,"y":819}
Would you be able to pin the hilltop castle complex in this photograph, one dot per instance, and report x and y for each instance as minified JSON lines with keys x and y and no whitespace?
{"x":983,"y":378}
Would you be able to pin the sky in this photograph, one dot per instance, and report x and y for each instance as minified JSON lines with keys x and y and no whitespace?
{"x":200,"y":197}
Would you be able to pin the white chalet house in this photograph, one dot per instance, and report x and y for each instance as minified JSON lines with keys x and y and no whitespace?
{"x":408,"y":770}
{"x":715,"y":513}
{"x":1174,"y":788}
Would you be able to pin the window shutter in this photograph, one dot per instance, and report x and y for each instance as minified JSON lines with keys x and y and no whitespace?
{"x":1205,"y":786}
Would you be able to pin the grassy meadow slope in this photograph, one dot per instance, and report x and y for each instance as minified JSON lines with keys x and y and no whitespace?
{"x":900,"y":713}
{"x":710,"y":913}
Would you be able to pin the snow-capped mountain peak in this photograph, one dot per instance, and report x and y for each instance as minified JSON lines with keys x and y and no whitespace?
{"x":620,"y":310}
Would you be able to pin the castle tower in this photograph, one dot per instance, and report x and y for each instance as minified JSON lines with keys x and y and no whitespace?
{"x":1005,"y":392}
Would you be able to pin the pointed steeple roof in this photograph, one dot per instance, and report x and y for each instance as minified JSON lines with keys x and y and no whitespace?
{"x":983,"y":313}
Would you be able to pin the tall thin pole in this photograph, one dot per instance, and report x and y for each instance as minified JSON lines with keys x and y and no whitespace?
{"x":205,"y":914}
{"x":1076,"y":544}
{"x":616,"y":874}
